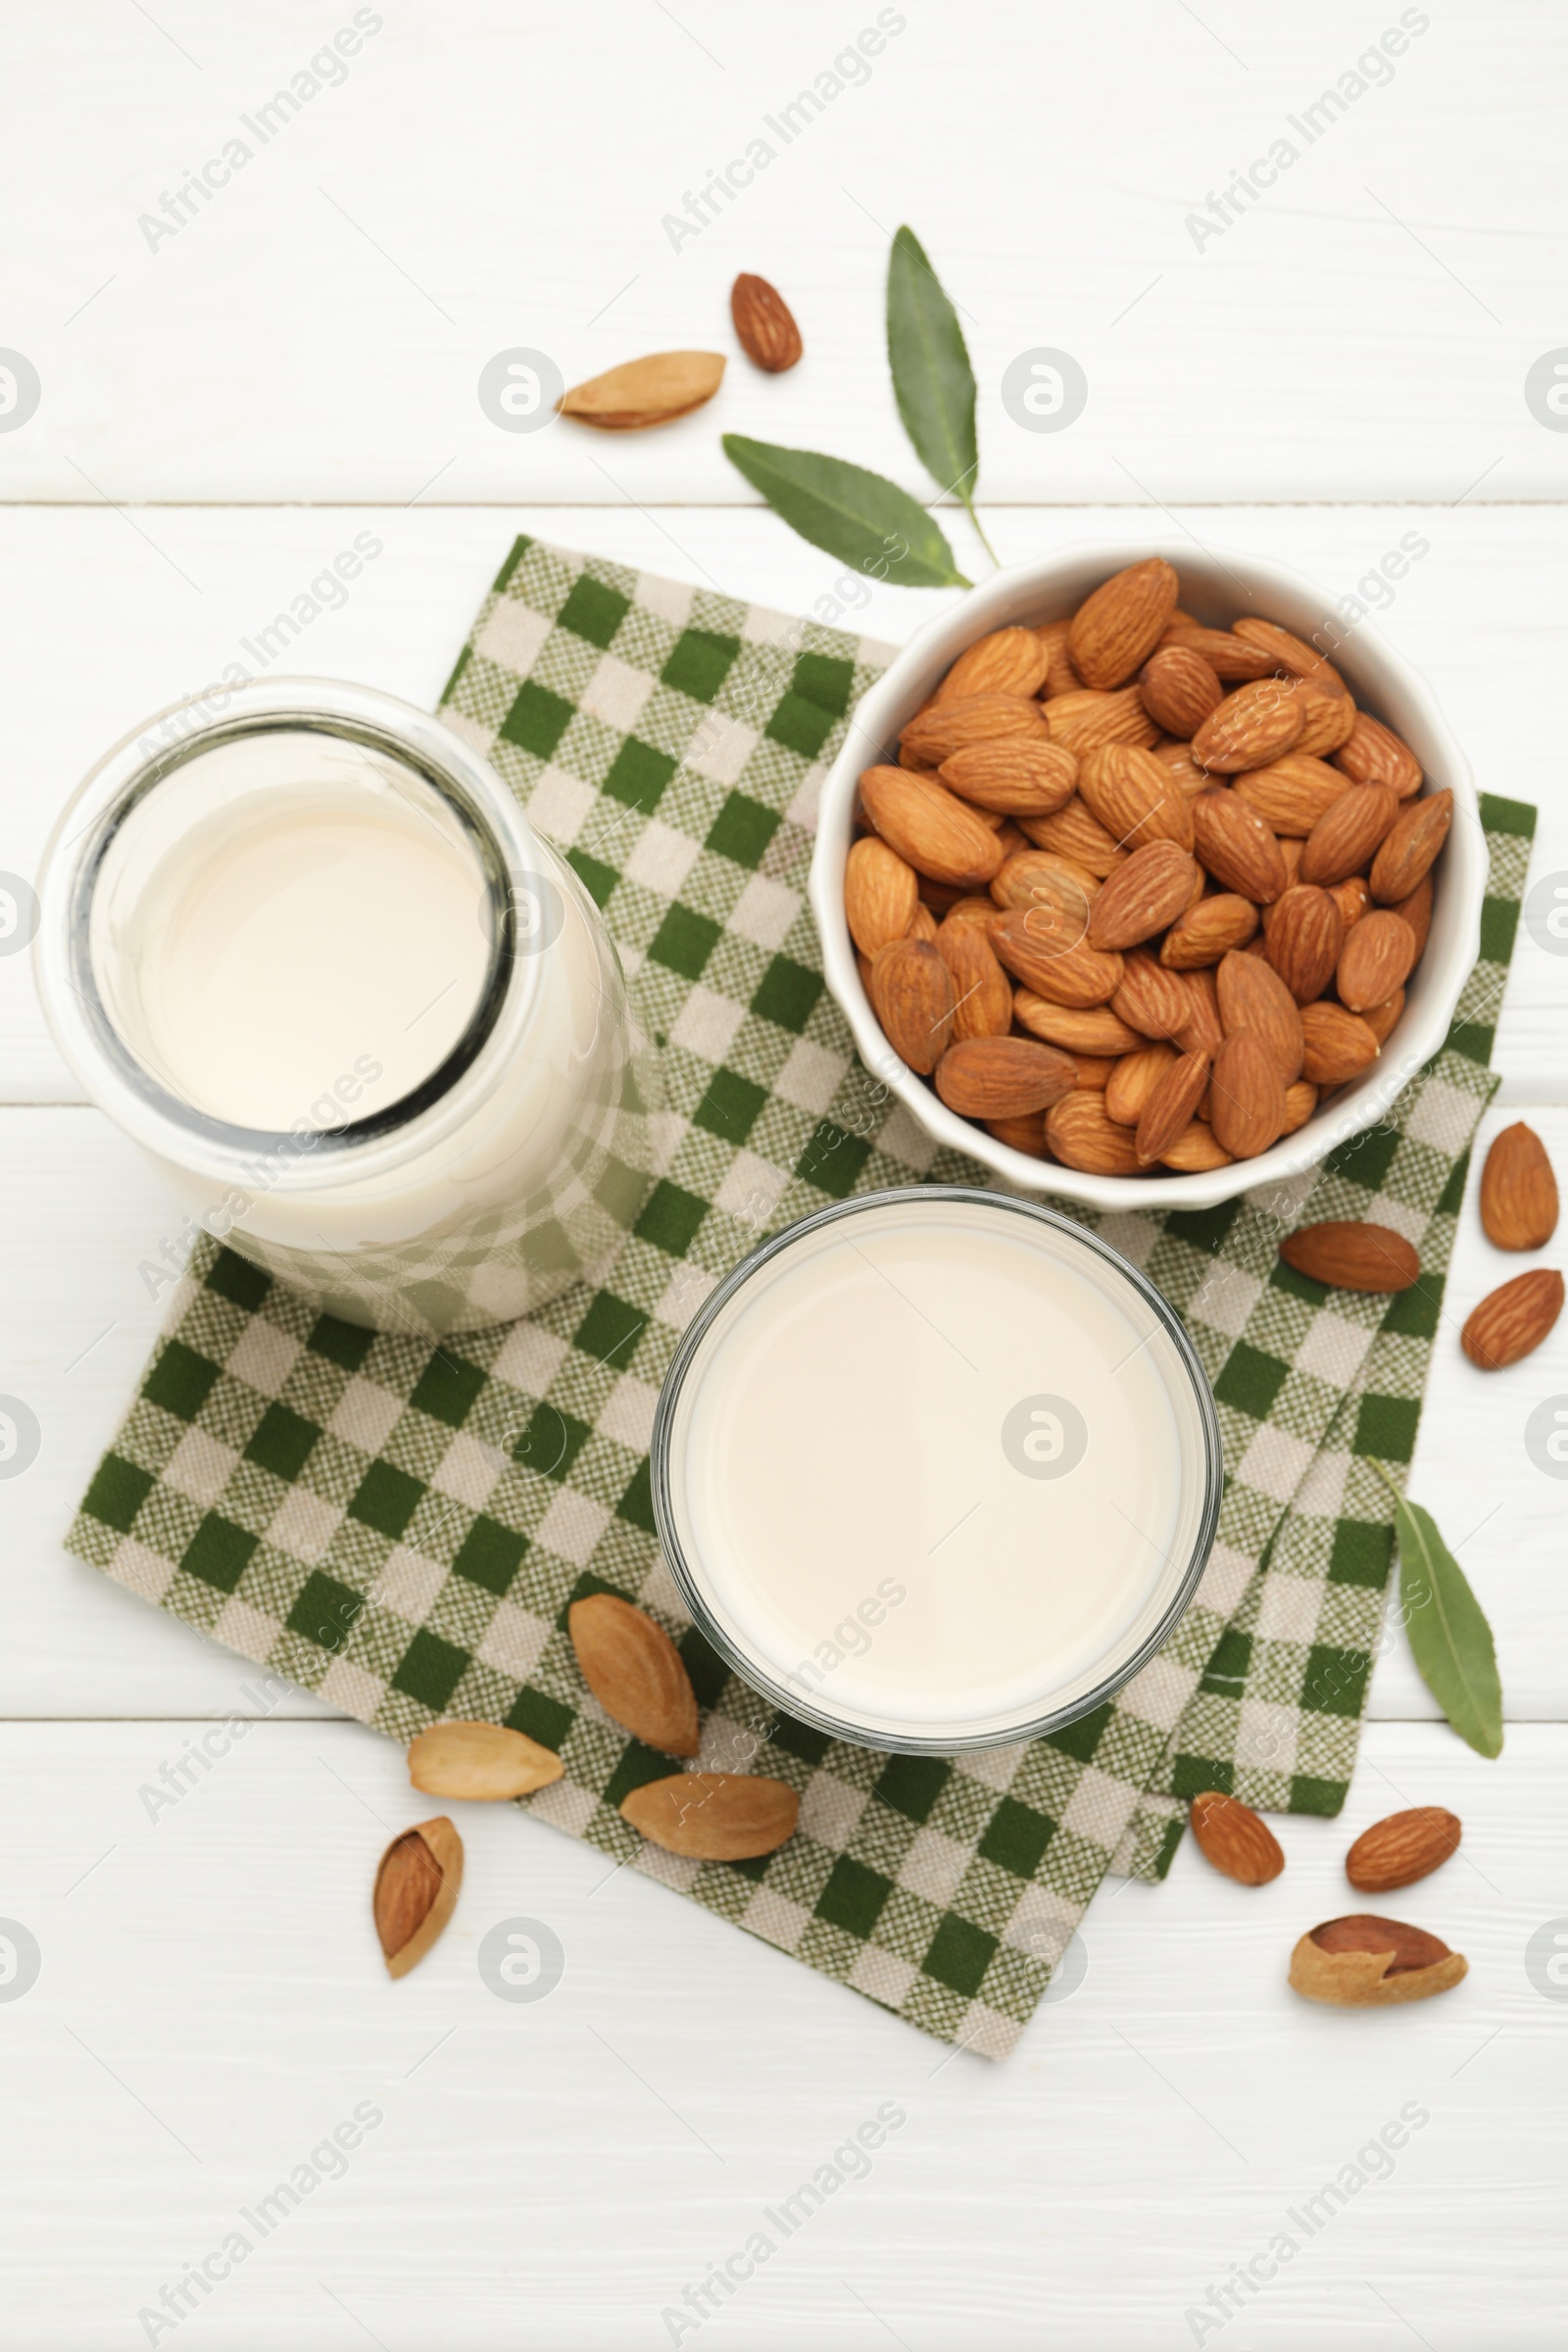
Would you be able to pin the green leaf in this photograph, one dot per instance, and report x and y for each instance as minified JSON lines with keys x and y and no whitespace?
{"x":1451,"y":1639}
{"x":933,"y":381}
{"x":860,"y":517}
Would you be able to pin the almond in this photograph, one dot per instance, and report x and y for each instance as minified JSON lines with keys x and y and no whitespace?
{"x":1133,"y":1081}
{"x":1353,"y":898}
{"x":1518,"y":1190}
{"x":1417,"y":910}
{"x":930,"y":829}
{"x":922,"y":924}
{"x":1513,"y":1319}
{"x":974,"y":911}
{"x":633,"y":1668}
{"x":1096,"y":1031}
{"x":1338,"y":1044}
{"x":1363,"y":1962}
{"x":1040,"y":948}
{"x":1382,"y":1020}
{"x":1019,"y":774}
{"x":482,"y":1762}
{"x":1191,"y":779}
{"x":1409,"y":847}
{"x":713,"y":1816}
{"x":1401,"y":1848}
{"x":1081,"y":1136}
{"x":1236,"y":1839}
{"x":1202,"y":1033}
{"x":1121,"y":622}
{"x":1094,"y":1070}
{"x":1290,"y":654}
{"x":1345,"y":836}
{"x":1300,"y":1100}
{"x":1292,"y":794}
{"x":415,"y":1892}
{"x":1084,"y":720}
{"x":1228,"y":656}
{"x":1003,"y":1077}
{"x":1304,"y":933}
{"x":1135,"y":797}
{"x":641,"y":392}
{"x":1208,"y":931}
{"x":1179,"y":689}
{"x":1060,"y":677}
{"x":1074,"y":833}
{"x":1194,"y":1151}
{"x":982,"y":994}
{"x":1020,"y":1135}
{"x":1040,"y":878}
{"x":1247,"y":1099}
{"x":1252,"y":726}
{"x":1171,"y":1107}
{"x":1374,"y":755}
{"x":912,"y":996}
{"x":1328,"y":720}
{"x":1007,"y":662}
{"x":935,"y":733}
{"x":1254,"y":997}
{"x":881,"y":894}
{"x":1149,"y":997}
{"x":1375,"y":961}
{"x":1351,"y":1256}
{"x":1236,"y":847}
{"x":1143,"y":896}
{"x":764,"y":326}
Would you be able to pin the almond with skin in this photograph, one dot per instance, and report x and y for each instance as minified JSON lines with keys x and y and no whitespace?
{"x":935,"y":733}
{"x":1203,"y":1033}
{"x":1151,"y":999}
{"x":1060,"y":676}
{"x":765,"y":324}
{"x":1020,"y":775}
{"x":1300,"y":1100}
{"x":1096,"y":1031}
{"x":1291,"y":654}
{"x":1353,"y":898}
{"x":912,"y":997}
{"x":1228,"y":656}
{"x":1094,"y":1070}
{"x":1170,"y":1108}
{"x":1040,"y":878}
{"x":1417,"y":910}
{"x":1135,"y":797}
{"x":1253,"y":997}
{"x":930,"y":829}
{"x":1363,"y":1962}
{"x":1247,"y":1101}
{"x":1338,"y":1044}
{"x":1040,"y":947}
{"x":1404,"y":1847}
{"x":1382,"y":1020}
{"x":922,"y":924}
{"x":1518,"y":1190}
{"x":1375,"y":961}
{"x":1328,"y":720}
{"x":1208,"y":932}
{"x":881,"y":893}
{"x":1143,"y":896}
{"x":1027,"y":1135}
{"x":1236,"y":847}
{"x":642,"y":392}
{"x":1084,"y":720}
{"x":1374,"y":755}
{"x":1410,"y":848}
{"x":1195,"y":1152}
{"x":1081,"y":1136}
{"x":1345,"y":837}
{"x":1512,"y":1321}
{"x":1179,"y":690}
{"x":1133,"y":1081}
{"x":1073,"y":832}
{"x":1252,"y":726}
{"x":416,"y":1884}
{"x":976,"y":912}
{"x":713,"y":1816}
{"x":635,"y":1670}
{"x":1350,"y":1256}
{"x":1292,"y":794}
{"x":982,"y":994}
{"x":1237,"y":1841}
{"x":1007,"y":662}
{"x":482,"y":1762}
{"x":1303,"y":935}
{"x":1003,"y":1077}
{"x":1119,"y":624}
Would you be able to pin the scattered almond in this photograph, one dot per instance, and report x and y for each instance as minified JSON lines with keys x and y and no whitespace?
{"x":1363,"y":1962}
{"x":1512,"y":1321}
{"x":415,"y":1892}
{"x":1237,"y":1841}
{"x":764,"y":326}
{"x":641,"y":392}
{"x":1518,"y":1190}
{"x":635,"y":1670}
{"x":1404,"y":1847}
{"x":713,"y":1816}
{"x":482,"y":1761}
{"x":1351,"y":1256}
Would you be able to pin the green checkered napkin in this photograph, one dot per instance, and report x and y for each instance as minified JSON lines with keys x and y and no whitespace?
{"x":401,"y":1528}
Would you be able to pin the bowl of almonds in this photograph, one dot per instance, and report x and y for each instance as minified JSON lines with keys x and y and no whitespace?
{"x":1134,"y":894}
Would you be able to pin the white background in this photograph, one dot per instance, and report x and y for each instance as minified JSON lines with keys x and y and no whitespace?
{"x":220,"y":413}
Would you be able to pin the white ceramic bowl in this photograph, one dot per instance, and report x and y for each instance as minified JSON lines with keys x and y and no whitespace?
{"x":1217,"y":586}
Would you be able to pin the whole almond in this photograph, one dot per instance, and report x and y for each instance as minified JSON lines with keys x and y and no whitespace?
{"x":1194,"y":1151}
{"x":1328,"y":720}
{"x":642,"y":392}
{"x":1082,"y":1137}
{"x":1007,"y":662}
{"x":1518,"y":1190}
{"x":1003,"y":1077}
{"x":1338,"y":1044}
{"x":1417,"y":910}
{"x":483,"y":1761}
{"x":1208,"y":932}
{"x":1363,"y":1962}
{"x":1382,"y":1020}
{"x":415,"y":1893}
{"x":1254,"y":997}
{"x":1236,"y":847}
{"x":1040,"y":948}
{"x":1251,"y":727}
{"x":1095,"y":1030}
{"x":1179,"y":689}
{"x":1089,"y":717}
{"x":1409,"y":847}
{"x":1237,"y":1841}
{"x":1133,"y":1081}
{"x":1228,"y":656}
{"x":1291,"y":654}
{"x":912,"y":996}
{"x":1401,"y":1848}
{"x":930,"y":829}
{"x":982,"y":993}
{"x":1119,"y":624}
{"x":1374,"y":755}
{"x":1020,"y":774}
{"x":1141,"y":897}
{"x":1300,"y":1100}
{"x":1020,"y":1135}
{"x":1292,"y":792}
{"x":1375,"y":961}
{"x":764,"y":326}
{"x":1351,"y":1256}
{"x":1074,"y":833}
{"x":1203,"y":1033}
{"x":881,"y":892}
{"x":1344,"y":838}
{"x":1303,"y":935}
{"x":713,"y":1816}
{"x":1512,"y":1320}
{"x":1151,"y":999}
{"x":1248,"y":1097}
{"x":935,"y":733}
{"x":633,"y":1668}
{"x":1134,"y":795}
{"x":1040,"y":878}
{"x":1171,"y":1107}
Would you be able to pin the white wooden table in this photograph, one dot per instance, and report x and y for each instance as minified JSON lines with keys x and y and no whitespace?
{"x":221,"y":410}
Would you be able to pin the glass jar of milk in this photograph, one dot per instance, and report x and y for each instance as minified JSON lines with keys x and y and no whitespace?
{"x":312,"y":955}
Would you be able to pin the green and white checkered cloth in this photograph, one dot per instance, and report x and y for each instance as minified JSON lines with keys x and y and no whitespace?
{"x":401,"y":1527}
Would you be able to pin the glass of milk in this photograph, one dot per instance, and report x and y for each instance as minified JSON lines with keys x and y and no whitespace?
{"x":936,"y":1469}
{"x":308,"y":952}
